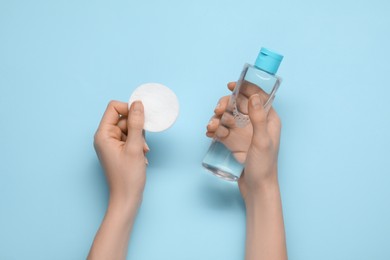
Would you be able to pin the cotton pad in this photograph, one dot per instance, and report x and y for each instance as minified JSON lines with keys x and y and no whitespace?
{"x":161,"y":106}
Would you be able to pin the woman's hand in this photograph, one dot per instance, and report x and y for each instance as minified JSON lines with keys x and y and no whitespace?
{"x":120,"y":145}
{"x":256,"y":144}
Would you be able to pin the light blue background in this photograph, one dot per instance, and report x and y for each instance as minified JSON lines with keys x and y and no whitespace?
{"x":62,"y":61}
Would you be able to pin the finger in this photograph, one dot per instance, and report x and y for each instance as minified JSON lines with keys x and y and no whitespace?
{"x":228,"y":120}
{"x":213,"y":124}
{"x":122,"y":124}
{"x":248,"y":89}
{"x":123,"y":137}
{"x":240,"y":156}
{"x":112,"y":114}
{"x":231,"y":85}
{"x":135,"y":124}
{"x":221,"y":106}
{"x":222,"y":132}
{"x":108,"y":132}
{"x":146,"y":148}
{"x":257,"y":115}
{"x":210,"y":134}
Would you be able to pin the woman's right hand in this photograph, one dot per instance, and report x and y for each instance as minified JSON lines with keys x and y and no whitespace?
{"x":256,"y":145}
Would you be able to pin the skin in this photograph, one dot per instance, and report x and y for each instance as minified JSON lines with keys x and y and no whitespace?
{"x":120,"y":145}
{"x":256,"y":144}
{"x":121,"y":148}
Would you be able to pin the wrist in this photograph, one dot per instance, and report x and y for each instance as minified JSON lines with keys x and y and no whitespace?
{"x":265,"y":190}
{"x":126,"y":195}
{"x":124,"y":206}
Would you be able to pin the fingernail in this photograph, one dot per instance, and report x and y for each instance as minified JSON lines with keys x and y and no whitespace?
{"x":218,"y":105}
{"x":256,"y":101}
{"x":137,"y":106}
{"x":211,"y":122}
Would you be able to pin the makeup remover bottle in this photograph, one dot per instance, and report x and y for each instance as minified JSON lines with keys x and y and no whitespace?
{"x":259,"y":79}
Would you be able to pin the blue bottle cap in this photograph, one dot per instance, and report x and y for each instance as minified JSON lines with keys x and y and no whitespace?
{"x":268,"y":61}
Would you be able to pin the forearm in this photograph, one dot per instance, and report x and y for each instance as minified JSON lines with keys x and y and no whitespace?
{"x":265,"y":236}
{"x":112,"y":238}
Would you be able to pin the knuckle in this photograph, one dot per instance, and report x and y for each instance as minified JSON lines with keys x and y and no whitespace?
{"x":221,"y":132}
{"x":224,"y":100}
{"x":112,"y":103}
{"x":222,"y":103}
{"x":97,"y":138}
{"x":227,"y":120}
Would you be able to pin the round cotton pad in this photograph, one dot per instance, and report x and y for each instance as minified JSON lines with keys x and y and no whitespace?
{"x":161,"y":106}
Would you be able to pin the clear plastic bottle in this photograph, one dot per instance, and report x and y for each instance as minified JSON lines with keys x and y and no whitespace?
{"x":261,"y":79}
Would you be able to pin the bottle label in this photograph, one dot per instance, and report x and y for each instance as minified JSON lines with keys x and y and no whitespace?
{"x":261,"y":78}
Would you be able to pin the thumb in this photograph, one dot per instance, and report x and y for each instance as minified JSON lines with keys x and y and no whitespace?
{"x":258,"y":117}
{"x":135,"y":125}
